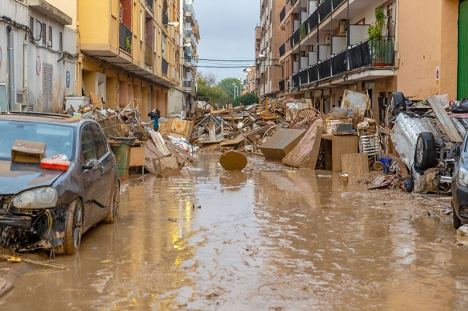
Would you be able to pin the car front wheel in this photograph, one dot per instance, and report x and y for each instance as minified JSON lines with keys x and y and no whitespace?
{"x":113,"y":212}
{"x":425,"y":154}
{"x":73,"y":229}
{"x":456,"y":221}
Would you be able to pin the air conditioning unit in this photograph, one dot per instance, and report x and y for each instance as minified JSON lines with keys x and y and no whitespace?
{"x":21,"y":107}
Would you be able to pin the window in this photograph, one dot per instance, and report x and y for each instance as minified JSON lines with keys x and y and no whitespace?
{"x":47,"y":82}
{"x":49,"y":43}
{"x":100,"y":141}
{"x":88,"y":148}
{"x":61,"y":41}
{"x":163,"y":46}
{"x":31,"y":26}
{"x":43,"y":34}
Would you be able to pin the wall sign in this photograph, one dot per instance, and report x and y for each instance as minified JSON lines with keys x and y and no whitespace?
{"x":38,"y":65}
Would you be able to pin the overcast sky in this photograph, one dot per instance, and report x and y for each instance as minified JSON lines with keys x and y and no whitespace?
{"x":227,"y":31}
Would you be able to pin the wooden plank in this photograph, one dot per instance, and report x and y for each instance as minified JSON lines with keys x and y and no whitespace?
{"x":355,"y":164}
{"x":445,"y":120}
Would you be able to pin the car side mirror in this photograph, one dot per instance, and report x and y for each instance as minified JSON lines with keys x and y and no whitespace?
{"x":92,"y":164}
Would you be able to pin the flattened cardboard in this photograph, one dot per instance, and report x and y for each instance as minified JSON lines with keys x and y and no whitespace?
{"x":24,"y":151}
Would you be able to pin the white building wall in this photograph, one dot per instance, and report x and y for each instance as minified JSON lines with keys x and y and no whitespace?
{"x":175,"y":101}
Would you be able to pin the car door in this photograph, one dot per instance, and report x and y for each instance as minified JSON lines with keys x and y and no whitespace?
{"x":106,"y":180}
{"x":91,"y":176}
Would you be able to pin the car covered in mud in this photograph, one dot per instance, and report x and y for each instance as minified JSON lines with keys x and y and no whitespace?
{"x":427,"y":140}
{"x":460,"y":188}
{"x":58,"y":178}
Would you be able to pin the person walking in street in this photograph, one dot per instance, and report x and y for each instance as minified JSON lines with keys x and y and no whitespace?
{"x":155,"y":114}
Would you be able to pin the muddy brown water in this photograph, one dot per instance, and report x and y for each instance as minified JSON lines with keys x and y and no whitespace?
{"x":267,"y":238}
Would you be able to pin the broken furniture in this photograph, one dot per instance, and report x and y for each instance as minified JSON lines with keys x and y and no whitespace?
{"x":281,"y":143}
{"x":335,"y":146}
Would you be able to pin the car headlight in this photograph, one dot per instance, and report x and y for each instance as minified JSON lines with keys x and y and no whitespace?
{"x":36,"y":198}
{"x":463,"y":177}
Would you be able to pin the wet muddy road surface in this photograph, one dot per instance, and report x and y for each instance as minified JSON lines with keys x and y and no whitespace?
{"x":266,"y":238}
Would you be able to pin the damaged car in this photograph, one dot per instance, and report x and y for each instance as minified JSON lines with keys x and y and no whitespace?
{"x":58,"y":178}
{"x":427,"y":140}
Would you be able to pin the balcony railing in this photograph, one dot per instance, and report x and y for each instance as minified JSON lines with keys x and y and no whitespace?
{"x":282,"y":49}
{"x":282,"y":14}
{"x":324,"y":69}
{"x":339,"y":63}
{"x":295,"y":80}
{"x":381,"y":52}
{"x":295,"y":38}
{"x":313,"y":73}
{"x":125,"y":38}
{"x":281,"y":85}
{"x":313,"y":20}
{"x":165,"y":19}
{"x":150,"y":4}
{"x":164,"y":67}
{"x":293,"y":2}
{"x":336,"y":3}
{"x":325,"y":8}
{"x":304,"y":77}
{"x":148,"y":55}
{"x":189,"y":9}
{"x":303,"y":30}
{"x":359,"y":56}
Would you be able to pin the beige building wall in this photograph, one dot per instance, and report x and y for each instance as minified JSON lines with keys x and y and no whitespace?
{"x":427,"y":39}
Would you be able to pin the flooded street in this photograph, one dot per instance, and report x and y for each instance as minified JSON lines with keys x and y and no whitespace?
{"x":266,"y":238}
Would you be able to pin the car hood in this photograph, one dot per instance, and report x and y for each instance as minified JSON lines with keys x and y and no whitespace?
{"x":16,"y":177}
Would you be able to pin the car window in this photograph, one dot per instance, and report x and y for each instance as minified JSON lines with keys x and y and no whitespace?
{"x":88,"y":147}
{"x":99,"y":140}
{"x":59,"y":139}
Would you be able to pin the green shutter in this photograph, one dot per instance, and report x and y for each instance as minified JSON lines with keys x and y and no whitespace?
{"x":463,"y":50}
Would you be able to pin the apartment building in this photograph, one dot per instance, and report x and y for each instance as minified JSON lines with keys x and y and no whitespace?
{"x":249,"y":82}
{"x":37,"y":56}
{"x":191,"y":37}
{"x":130,"y":51}
{"x":327,"y":49}
{"x":267,"y":48}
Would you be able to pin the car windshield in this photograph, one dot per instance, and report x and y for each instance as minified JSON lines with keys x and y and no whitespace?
{"x":58,"y":138}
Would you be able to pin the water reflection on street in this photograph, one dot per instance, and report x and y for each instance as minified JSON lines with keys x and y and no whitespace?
{"x":267,"y":238}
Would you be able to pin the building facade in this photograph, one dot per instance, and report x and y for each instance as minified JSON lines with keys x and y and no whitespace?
{"x":191,"y":37}
{"x":130,"y":52}
{"x":327,"y":50}
{"x":37,"y":56}
{"x":267,"y":48}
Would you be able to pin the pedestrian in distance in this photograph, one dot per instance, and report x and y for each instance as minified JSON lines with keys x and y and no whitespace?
{"x":155,"y":114}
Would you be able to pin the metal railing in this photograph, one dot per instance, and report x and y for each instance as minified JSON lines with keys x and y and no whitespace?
{"x":125,"y":38}
{"x":165,"y":19}
{"x":313,"y":20}
{"x":282,"y":49}
{"x":295,"y":38}
{"x":325,"y":8}
{"x":337,"y":3}
{"x":313,"y":73}
{"x":164,"y":67}
{"x":150,"y":4}
{"x":304,"y":77}
{"x":381,"y":52}
{"x":282,"y":14}
{"x":295,"y":80}
{"x":324,"y":69}
{"x":359,"y":56}
{"x":293,"y":2}
{"x":339,"y":63}
{"x":148,"y":55}
{"x":189,"y":9}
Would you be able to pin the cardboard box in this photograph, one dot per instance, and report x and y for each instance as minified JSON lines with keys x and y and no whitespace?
{"x":25,"y":151}
{"x":281,"y":143}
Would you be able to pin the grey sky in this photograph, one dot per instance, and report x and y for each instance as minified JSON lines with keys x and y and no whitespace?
{"x":227,"y":31}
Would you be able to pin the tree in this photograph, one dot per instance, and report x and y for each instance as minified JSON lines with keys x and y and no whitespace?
{"x":207,"y":88}
{"x":231,"y":85}
{"x":247,"y":99}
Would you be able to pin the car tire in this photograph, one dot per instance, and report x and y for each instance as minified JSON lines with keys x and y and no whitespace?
{"x":73,"y":229}
{"x":456,"y":221}
{"x":113,"y":212}
{"x":425,"y":153}
{"x":392,"y":110}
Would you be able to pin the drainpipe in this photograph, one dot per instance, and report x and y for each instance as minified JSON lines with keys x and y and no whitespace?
{"x":11,"y":64}
{"x":25,"y":69}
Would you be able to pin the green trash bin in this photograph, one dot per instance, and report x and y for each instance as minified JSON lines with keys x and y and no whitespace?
{"x":122,"y":156}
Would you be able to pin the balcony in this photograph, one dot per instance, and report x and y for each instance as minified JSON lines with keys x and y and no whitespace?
{"x":304,"y":77}
{"x":295,"y":80}
{"x":381,"y":52}
{"x":359,"y":56}
{"x":313,"y":20}
{"x":337,"y":3}
{"x":165,"y":19}
{"x":324,"y":69}
{"x":125,"y":38}
{"x":325,"y":8}
{"x":295,"y":38}
{"x":313,"y":73}
{"x":282,"y":14}
{"x":148,"y":55}
{"x":282,"y":49}
{"x":164,"y":67}
{"x":189,"y":85}
{"x":190,"y":13}
{"x":149,"y":3}
{"x":339,"y":63}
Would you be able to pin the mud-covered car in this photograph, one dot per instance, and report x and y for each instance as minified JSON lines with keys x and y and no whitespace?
{"x":49,"y":204}
{"x":460,"y":188}
{"x":427,"y":141}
